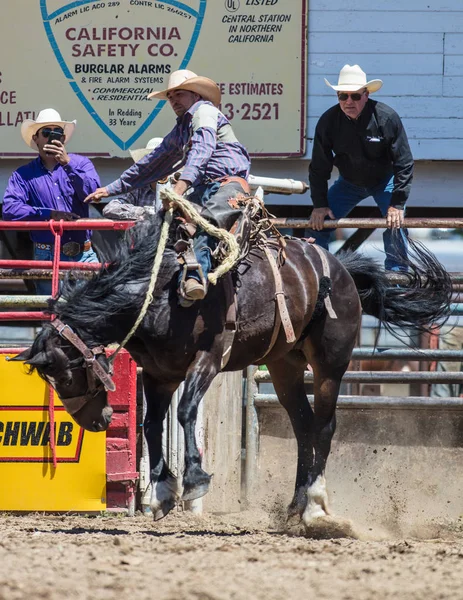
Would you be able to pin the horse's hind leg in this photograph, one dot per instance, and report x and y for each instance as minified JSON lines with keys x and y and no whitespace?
{"x":313,"y":429}
{"x":326,"y":390}
{"x":329,"y":357}
{"x":164,"y":487}
{"x":288,"y":380}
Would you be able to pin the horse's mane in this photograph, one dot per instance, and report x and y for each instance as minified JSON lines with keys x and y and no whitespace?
{"x":119,"y":287}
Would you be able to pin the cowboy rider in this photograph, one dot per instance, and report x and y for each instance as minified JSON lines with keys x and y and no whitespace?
{"x":215,"y":166}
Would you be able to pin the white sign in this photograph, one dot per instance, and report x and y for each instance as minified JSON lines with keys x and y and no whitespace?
{"x":96,"y":61}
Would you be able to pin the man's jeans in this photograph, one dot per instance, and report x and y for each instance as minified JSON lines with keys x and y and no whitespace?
{"x":203,"y":246}
{"x":344,"y":196}
{"x":43,"y":286}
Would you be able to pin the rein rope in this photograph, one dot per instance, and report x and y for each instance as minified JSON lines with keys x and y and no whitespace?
{"x":231,"y":258}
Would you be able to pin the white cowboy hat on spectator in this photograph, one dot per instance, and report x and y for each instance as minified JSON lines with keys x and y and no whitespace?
{"x":353,"y":79}
{"x":141,"y":152}
{"x":46,"y":117}
{"x":187,"y":80}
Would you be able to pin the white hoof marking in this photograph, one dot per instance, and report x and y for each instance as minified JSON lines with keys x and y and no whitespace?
{"x":163,"y":491}
{"x":317,"y":501}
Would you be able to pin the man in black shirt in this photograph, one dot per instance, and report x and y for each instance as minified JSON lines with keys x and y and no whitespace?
{"x":367,"y":142}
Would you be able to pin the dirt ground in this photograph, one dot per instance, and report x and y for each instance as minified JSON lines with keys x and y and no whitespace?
{"x":240,"y":556}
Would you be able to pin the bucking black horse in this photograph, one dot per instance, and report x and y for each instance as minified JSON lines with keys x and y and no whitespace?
{"x":175,"y":344}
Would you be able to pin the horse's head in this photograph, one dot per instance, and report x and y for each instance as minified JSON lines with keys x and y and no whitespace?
{"x":79,"y":375}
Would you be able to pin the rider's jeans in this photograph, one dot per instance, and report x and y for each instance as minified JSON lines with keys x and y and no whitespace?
{"x":215,"y":208}
{"x":203,"y":245}
{"x":344,"y":196}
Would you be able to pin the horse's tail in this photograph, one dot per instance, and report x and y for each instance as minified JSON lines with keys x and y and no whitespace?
{"x":423,"y":303}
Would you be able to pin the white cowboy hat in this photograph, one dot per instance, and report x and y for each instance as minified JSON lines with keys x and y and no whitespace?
{"x":187,"y":80}
{"x":141,"y":152}
{"x":353,"y":79}
{"x":50,"y":117}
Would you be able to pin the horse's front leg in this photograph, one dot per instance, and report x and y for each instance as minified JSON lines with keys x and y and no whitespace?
{"x":198,"y":379}
{"x":164,"y":486}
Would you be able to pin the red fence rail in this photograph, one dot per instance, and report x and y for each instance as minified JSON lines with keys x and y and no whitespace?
{"x":57,"y":228}
{"x":121,"y":437}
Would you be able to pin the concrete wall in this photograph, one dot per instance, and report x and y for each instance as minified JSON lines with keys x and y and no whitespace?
{"x":389,"y":469}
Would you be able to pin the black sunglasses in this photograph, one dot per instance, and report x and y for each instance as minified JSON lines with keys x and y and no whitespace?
{"x":47,"y":130}
{"x":355,"y":96}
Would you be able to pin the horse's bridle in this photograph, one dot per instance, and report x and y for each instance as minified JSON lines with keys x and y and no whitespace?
{"x":96,"y":375}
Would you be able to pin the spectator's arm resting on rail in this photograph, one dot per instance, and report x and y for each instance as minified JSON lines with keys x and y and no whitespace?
{"x":320,"y":170}
{"x":402,"y":163}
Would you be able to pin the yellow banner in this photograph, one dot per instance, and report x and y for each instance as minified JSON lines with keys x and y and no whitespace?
{"x":25,"y":435}
{"x":96,"y":62}
{"x":79,"y":480}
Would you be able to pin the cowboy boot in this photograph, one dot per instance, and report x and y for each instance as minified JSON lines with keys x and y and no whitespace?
{"x":193,"y":289}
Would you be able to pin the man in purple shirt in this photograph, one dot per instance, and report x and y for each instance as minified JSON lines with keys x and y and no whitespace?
{"x":215,"y":166}
{"x":53,"y":186}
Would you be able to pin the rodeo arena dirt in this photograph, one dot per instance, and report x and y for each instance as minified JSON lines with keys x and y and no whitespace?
{"x":79,"y":518}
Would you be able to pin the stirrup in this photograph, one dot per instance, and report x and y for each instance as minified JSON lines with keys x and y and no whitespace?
{"x":184,"y":300}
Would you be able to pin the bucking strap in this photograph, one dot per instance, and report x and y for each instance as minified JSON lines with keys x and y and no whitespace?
{"x":326,"y":273}
{"x":230,"y":320}
{"x":280,"y":297}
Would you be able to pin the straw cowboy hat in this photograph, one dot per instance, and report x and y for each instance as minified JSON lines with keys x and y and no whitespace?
{"x":141,"y":152}
{"x":187,"y":80}
{"x":50,"y":117}
{"x":353,"y":79}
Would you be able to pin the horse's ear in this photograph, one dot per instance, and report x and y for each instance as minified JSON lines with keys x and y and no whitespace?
{"x":34,"y":361}
{"x":39,"y":360}
{"x":24,"y":356}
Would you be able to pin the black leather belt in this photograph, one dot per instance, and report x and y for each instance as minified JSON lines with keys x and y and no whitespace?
{"x":69,"y":248}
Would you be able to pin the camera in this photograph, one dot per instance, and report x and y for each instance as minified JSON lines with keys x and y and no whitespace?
{"x":54,"y":135}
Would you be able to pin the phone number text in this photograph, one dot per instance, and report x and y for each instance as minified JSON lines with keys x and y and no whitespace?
{"x":251,"y":112}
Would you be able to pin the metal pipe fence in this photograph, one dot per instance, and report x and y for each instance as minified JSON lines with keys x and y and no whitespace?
{"x":56,"y":227}
{"x":45,"y":273}
{"x":254,"y":399}
{"x":375,"y":402}
{"x":48,"y":264}
{"x":32,"y":269}
{"x":367,"y":223}
{"x":381,"y":377}
{"x":423,"y":354}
